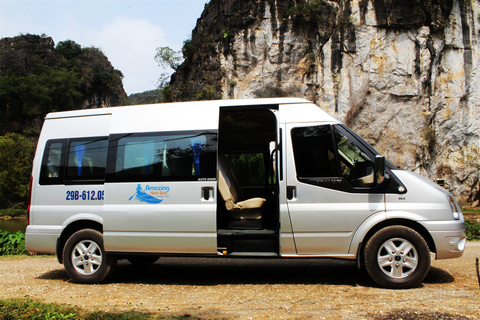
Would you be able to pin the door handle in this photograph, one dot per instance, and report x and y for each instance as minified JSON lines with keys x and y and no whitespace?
{"x":291,"y":193}
{"x":207,"y":193}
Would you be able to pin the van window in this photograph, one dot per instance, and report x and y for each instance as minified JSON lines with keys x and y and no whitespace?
{"x":53,"y":162}
{"x":87,"y":158}
{"x":162,"y":157}
{"x":326,"y":151}
{"x":314,"y":151}
{"x":355,"y":165}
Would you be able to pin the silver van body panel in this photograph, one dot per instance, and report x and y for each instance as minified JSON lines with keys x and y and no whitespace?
{"x":324,"y":220}
{"x":42,"y":239}
{"x":182,"y":222}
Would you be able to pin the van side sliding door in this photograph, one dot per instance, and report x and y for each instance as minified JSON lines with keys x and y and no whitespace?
{"x":330,"y":187}
{"x":160,"y":192}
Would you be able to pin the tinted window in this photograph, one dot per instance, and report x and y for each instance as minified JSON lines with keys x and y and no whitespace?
{"x":87,"y":159}
{"x":162,"y":157}
{"x":314,"y":151}
{"x":355,"y":164}
{"x":53,"y":162}
{"x":326,"y":151}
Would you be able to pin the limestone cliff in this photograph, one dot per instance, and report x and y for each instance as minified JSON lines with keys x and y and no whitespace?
{"x":404,"y":74}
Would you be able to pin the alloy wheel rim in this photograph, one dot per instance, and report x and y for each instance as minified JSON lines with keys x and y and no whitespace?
{"x":397,"y":258}
{"x":86,"y":257}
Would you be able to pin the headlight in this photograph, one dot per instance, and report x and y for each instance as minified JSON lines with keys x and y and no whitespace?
{"x":455,"y":208}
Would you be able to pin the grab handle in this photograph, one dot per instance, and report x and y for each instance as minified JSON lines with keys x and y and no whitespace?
{"x":291,"y":193}
{"x":207,"y":193}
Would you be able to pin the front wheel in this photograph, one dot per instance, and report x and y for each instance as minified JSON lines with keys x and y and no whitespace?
{"x":85,"y":259}
{"x":397,"y":257}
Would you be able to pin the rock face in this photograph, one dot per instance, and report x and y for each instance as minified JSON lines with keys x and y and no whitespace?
{"x":404,"y":74}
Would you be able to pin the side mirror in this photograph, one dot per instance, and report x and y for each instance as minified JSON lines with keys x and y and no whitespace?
{"x":379,"y":169}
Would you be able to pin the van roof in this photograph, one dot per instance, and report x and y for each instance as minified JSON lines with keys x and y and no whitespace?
{"x":209,"y":103}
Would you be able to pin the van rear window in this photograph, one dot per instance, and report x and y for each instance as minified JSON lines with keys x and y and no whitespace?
{"x":162,"y":156}
{"x":74,"y":161}
{"x":53,"y":162}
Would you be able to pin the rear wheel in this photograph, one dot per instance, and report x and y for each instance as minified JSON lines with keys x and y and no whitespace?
{"x":397,"y":257}
{"x":85,"y":259}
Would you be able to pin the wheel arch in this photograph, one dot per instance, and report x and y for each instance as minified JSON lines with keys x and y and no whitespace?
{"x":395,"y":222}
{"x":70,"y":229}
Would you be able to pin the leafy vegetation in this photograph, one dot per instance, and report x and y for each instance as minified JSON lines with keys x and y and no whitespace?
{"x":12,"y":243}
{"x":309,"y":15}
{"x":188,"y":49}
{"x":168,"y":58}
{"x":208,"y":93}
{"x":471,"y":223}
{"x":13,"y":212}
{"x":28,"y":309}
{"x":16,"y":156}
{"x":146,"y":97}
{"x":473,"y":230}
{"x":36,"y":78}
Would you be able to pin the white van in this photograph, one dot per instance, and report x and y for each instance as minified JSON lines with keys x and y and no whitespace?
{"x":263,"y":178}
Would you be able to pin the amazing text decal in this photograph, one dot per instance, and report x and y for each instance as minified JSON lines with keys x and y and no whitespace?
{"x":151,"y":194}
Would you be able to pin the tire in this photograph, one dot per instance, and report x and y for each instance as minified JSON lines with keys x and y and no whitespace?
{"x":143,"y":260}
{"x":85,"y":259}
{"x":397,"y":257}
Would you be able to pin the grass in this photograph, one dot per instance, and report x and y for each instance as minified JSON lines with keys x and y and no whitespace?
{"x":13,"y":309}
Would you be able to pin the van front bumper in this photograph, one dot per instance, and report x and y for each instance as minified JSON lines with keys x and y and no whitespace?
{"x":42,"y":239}
{"x":449,"y":236}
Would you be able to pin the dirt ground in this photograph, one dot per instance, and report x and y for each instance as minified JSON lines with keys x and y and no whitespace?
{"x":252,"y":289}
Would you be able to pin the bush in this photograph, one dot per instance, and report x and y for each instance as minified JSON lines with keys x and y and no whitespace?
{"x":473,"y":230}
{"x":13,"y":212}
{"x":12,"y":243}
{"x":208,"y":93}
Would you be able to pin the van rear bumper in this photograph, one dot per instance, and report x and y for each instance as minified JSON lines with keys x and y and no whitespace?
{"x":449,"y":236}
{"x":42,"y":239}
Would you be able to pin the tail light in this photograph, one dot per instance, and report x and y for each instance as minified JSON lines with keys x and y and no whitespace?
{"x":29,"y":200}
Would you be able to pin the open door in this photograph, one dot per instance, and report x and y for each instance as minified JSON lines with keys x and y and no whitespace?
{"x":247,"y":201}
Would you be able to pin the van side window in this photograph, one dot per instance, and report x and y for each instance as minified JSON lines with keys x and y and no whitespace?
{"x":329,"y":151}
{"x":355,"y":165}
{"x":314,"y":152}
{"x":53,"y":162}
{"x":87,"y":158}
{"x":162,"y":157}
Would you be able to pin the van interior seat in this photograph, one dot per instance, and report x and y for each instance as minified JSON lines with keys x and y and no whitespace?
{"x":232,"y":194}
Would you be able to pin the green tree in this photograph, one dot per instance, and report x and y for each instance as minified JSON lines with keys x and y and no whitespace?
{"x":16,"y":156}
{"x":36,"y":78}
{"x":69,"y":49}
{"x":168,"y":58}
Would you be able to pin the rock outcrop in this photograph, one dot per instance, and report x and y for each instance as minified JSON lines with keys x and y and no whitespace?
{"x":37,"y":77}
{"x":404,"y":74}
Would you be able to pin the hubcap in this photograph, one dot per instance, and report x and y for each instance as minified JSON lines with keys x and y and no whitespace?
{"x":397,"y":258}
{"x":86,"y":257}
